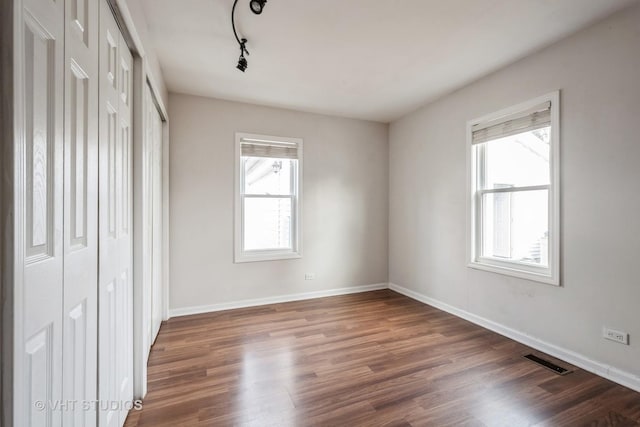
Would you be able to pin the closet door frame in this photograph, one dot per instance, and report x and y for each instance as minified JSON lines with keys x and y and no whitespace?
{"x":11,"y":201}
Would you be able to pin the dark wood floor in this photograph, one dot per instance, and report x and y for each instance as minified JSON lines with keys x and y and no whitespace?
{"x":371,"y":359}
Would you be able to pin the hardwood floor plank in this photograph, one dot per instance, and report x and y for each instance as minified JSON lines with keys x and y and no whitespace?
{"x":370,"y":359}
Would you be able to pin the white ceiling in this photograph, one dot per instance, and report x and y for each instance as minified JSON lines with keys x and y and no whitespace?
{"x":368,"y":59}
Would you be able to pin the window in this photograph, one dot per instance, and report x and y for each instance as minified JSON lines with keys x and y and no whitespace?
{"x":514,"y":197}
{"x":268,"y":192}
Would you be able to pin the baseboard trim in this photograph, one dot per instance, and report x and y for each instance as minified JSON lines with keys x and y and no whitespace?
{"x":614,"y":374}
{"x":186,"y":311}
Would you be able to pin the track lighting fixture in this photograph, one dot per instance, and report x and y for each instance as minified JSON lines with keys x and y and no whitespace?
{"x":242,"y":61}
{"x":256,"y":7}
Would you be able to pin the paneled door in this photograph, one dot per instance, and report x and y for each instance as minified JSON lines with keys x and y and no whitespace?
{"x":80,"y":308}
{"x":155,"y":144}
{"x":40,"y":190}
{"x":115,"y":296}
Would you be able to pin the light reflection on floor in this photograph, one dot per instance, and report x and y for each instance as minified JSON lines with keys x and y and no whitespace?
{"x":264,"y":385}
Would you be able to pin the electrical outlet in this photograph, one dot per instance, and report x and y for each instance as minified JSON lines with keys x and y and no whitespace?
{"x":309,"y":276}
{"x":617,"y":336}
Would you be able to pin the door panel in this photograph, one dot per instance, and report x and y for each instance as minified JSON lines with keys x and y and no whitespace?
{"x":156,"y":186}
{"x":147,"y":222}
{"x":42,"y":153}
{"x":81,"y":214}
{"x":125,"y":249}
{"x":41,"y":71}
{"x":152,"y":214}
{"x":39,"y":351}
{"x":115,"y":379}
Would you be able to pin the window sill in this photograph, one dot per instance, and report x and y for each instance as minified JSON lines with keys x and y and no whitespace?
{"x":516,"y":272}
{"x":265,"y":256}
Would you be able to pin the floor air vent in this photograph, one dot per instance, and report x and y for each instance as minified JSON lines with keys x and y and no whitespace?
{"x":549,"y":365}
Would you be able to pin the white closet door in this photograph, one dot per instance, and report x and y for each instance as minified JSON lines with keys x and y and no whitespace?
{"x":155,"y":124}
{"x":125,"y":250}
{"x":80,"y":212}
{"x":115,"y":382}
{"x":147,"y":222}
{"x":152,"y":218}
{"x":39,"y":178}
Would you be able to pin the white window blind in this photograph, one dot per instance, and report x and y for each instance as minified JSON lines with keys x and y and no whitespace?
{"x":278,"y":150}
{"x":532,"y":119}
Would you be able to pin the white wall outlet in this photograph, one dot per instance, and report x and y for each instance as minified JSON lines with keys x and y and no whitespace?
{"x":617,"y":336}
{"x":309,"y":276}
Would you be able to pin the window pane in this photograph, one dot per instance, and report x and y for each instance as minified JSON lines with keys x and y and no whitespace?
{"x":266,"y":175}
{"x":515,"y":226}
{"x":518,"y":160}
{"x":267,"y":223}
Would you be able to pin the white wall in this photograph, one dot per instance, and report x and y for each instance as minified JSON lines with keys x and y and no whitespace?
{"x":597,"y":71}
{"x":345,"y":201}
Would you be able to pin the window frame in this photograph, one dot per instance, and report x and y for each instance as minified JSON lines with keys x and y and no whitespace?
{"x":550,"y":274}
{"x":241,"y":255}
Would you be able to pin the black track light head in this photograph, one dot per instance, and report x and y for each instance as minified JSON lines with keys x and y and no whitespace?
{"x":257,"y":6}
{"x":242,"y":63}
